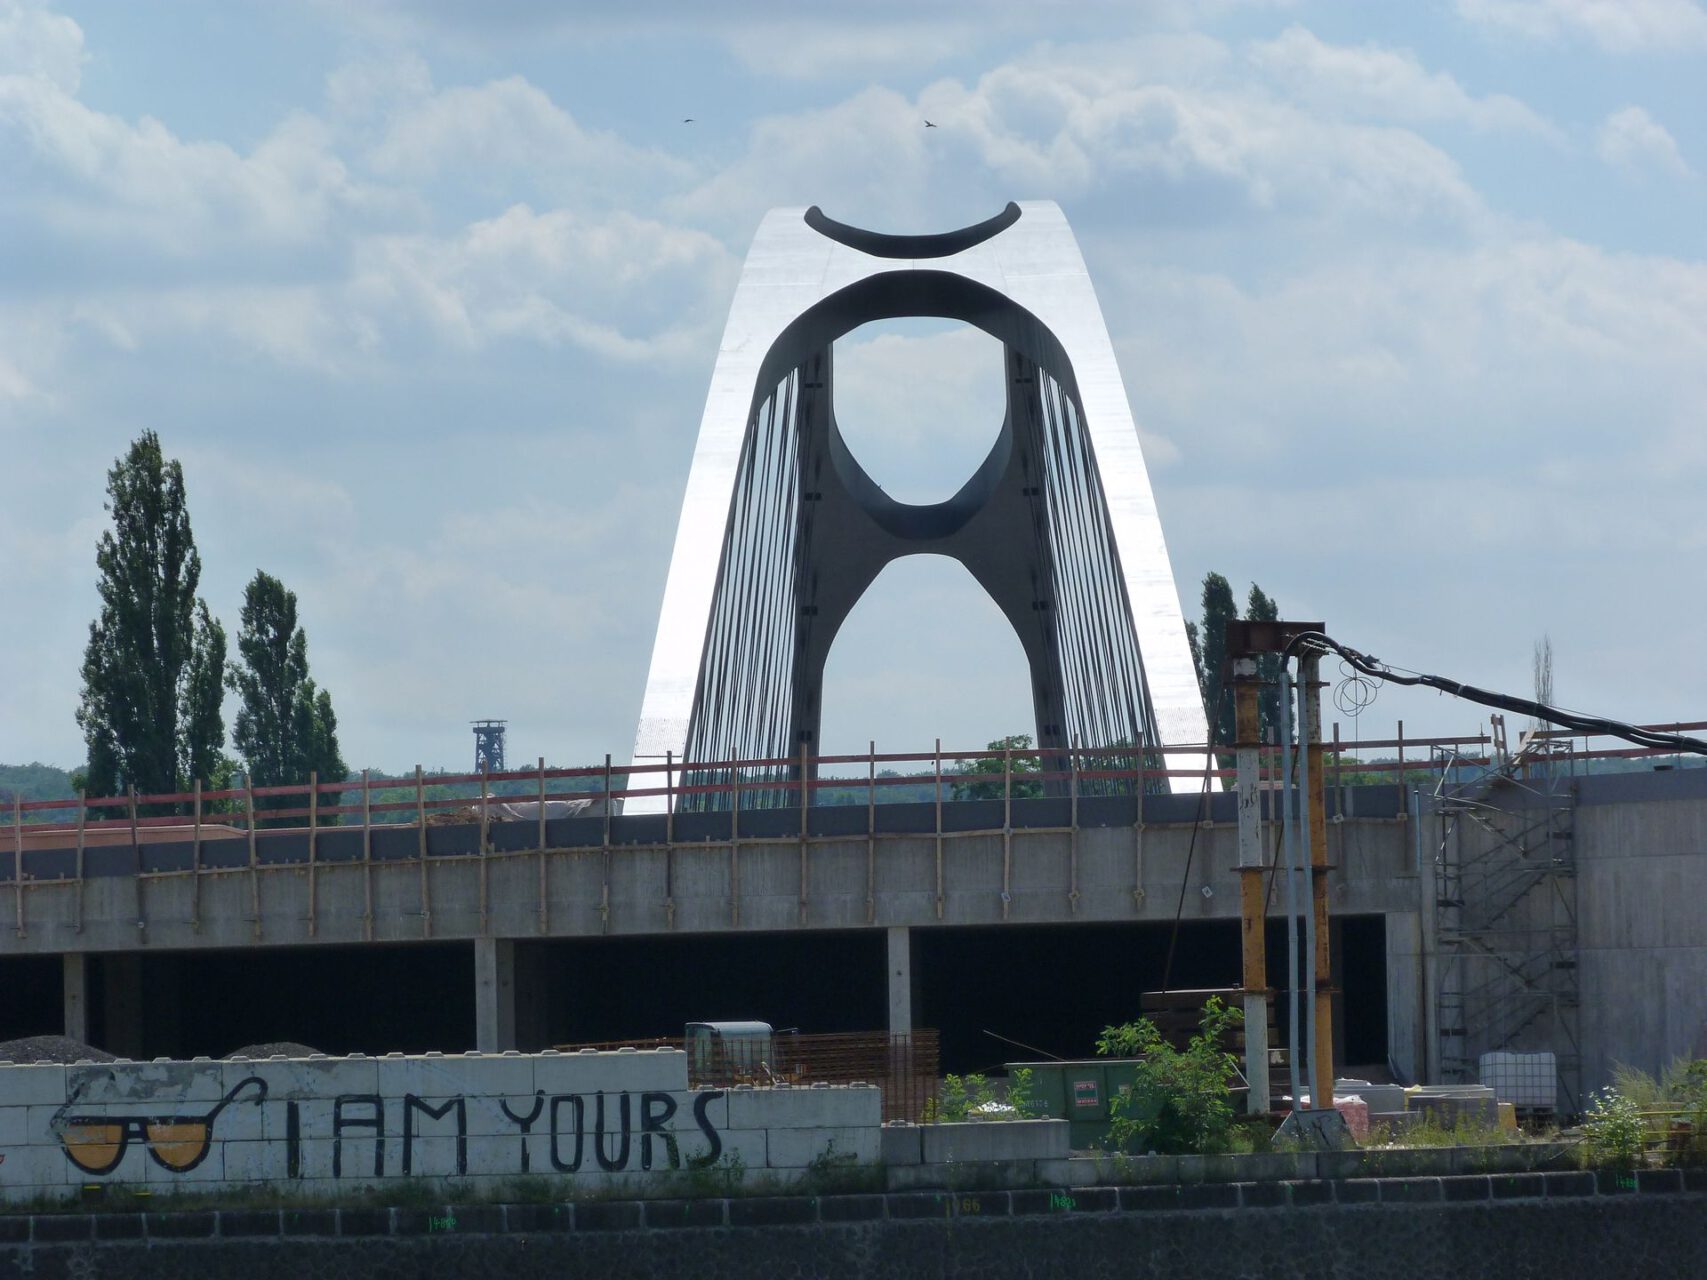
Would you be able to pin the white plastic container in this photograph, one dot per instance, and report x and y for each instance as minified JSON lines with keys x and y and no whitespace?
{"x":1522,"y":1079}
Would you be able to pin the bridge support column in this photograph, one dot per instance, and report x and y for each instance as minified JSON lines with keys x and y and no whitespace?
{"x":1405,"y":994}
{"x":75,"y":967}
{"x":900,"y":980}
{"x":494,"y":994}
{"x":121,"y":1004}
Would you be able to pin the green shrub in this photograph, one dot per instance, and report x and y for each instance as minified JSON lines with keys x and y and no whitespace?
{"x":1019,"y":1094}
{"x":1613,"y":1127}
{"x":1180,"y":1102}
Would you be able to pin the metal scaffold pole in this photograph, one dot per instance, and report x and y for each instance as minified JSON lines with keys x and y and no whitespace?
{"x":1252,"y":913}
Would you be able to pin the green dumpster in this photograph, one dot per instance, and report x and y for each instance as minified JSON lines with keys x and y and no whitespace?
{"x":1079,"y":1091}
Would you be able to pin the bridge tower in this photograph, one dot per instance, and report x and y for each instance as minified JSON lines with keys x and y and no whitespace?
{"x":782,"y":530}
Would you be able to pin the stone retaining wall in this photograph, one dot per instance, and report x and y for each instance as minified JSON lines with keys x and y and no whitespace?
{"x":1557,"y":1224}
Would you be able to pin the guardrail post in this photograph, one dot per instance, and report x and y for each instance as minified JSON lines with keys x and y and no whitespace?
{"x":196,"y":861}
{"x":313,"y":840}
{"x":669,"y":839}
{"x":1404,"y":809}
{"x":544,"y":900}
{"x":367,"y":856}
{"x":604,"y":894}
{"x":871,"y":833}
{"x":1073,"y":834}
{"x":254,"y":862}
{"x":1007,"y":828}
{"x":939,"y":886}
{"x":805,"y":801}
{"x":421,"y":854}
{"x":18,"y":856}
{"x":82,"y":822}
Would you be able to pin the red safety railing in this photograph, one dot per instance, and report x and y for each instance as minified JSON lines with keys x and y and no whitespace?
{"x":775,"y":782}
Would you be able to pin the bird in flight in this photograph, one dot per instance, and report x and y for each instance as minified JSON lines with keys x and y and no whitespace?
{"x":687,"y":120}
{"x":930,"y":124}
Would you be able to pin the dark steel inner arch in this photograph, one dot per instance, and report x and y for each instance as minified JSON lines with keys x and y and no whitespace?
{"x":942,"y":244}
{"x":809,"y":531}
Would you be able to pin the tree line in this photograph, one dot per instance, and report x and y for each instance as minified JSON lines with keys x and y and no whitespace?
{"x":156,"y":672}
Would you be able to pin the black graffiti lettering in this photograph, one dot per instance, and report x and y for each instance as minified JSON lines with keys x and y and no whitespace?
{"x":620,"y":1160}
{"x":412,"y":1104}
{"x":700,"y":1104}
{"x":580,"y":1106}
{"x":653,"y":1122}
{"x":374,"y":1122}
{"x":293,"y":1140}
{"x":524,"y":1123}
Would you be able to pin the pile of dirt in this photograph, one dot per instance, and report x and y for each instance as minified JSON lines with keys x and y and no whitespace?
{"x":29,"y":1049}
{"x":273,"y":1049}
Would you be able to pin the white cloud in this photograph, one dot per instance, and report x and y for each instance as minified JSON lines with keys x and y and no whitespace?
{"x":1631,"y":139}
{"x":622,"y":287}
{"x":1618,"y":26}
{"x":498,"y":132}
{"x":1375,"y":82}
{"x":1051,"y":124}
{"x":38,"y":43}
{"x":97,"y":177}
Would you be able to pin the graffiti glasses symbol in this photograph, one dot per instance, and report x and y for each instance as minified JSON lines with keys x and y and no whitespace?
{"x":96,"y":1143}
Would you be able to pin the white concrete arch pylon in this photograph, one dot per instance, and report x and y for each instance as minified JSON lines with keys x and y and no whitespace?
{"x":806,"y":281}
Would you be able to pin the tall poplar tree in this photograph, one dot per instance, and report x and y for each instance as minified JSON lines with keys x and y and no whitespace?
{"x":285,"y":728}
{"x":1261,"y":608}
{"x":1208,"y":641}
{"x":154,"y":651}
{"x":1219,"y":608}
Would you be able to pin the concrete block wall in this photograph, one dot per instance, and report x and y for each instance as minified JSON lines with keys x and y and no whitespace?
{"x":623,"y":1123}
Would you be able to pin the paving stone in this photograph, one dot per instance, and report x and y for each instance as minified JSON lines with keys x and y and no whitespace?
{"x":1465,"y":1188}
{"x":181,"y":1226}
{"x":1261,"y":1195}
{"x":1310,"y":1193}
{"x":63,"y":1226}
{"x":364,"y":1222}
{"x":772,"y":1211}
{"x":1209,"y":1195}
{"x":850,"y":1208}
{"x":1143,"y":1198}
{"x":684,"y":1213}
{"x":920,"y":1204}
{"x":118,"y":1226}
{"x":1517,"y":1186}
{"x":607,"y":1215}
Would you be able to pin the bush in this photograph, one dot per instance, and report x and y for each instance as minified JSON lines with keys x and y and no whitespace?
{"x":1180,"y":1101}
{"x":1613,"y":1126}
{"x":1674,"y":1106}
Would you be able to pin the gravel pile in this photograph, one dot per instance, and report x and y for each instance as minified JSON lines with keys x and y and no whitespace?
{"x":28,"y":1049}
{"x":273,"y":1049}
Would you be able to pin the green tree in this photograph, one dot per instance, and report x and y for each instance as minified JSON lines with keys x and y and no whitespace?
{"x":1208,"y":641}
{"x":991,"y":788}
{"x":1180,"y":1100}
{"x":1219,"y":608}
{"x":285,"y":726}
{"x":144,"y":711}
{"x":1261,"y":608}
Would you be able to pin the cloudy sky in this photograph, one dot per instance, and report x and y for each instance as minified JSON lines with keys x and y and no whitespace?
{"x":1411,"y":302}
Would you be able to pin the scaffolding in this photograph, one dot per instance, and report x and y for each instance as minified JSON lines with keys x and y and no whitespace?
{"x":1506,"y":912}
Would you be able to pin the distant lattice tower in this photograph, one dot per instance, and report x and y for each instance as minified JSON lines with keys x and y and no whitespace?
{"x":489,"y":745}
